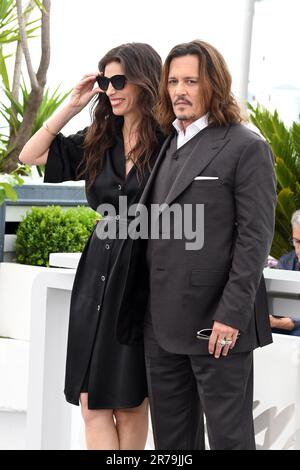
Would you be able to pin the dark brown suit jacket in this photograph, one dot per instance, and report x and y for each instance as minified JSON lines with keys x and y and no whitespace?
{"x":221,"y":281}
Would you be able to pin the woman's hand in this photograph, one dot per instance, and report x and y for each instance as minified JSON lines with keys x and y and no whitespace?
{"x":84,"y":91}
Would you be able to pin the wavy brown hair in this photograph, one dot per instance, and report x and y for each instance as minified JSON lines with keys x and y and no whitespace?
{"x":215,"y":79}
{"x":142,"y":67}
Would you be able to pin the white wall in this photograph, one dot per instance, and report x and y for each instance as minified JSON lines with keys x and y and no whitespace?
{"x":275,"y":67}
{"x":82,"y":32}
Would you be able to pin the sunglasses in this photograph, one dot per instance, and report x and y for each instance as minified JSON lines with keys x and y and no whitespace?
{"x":205,"y":334}
{"x":118,"y":82}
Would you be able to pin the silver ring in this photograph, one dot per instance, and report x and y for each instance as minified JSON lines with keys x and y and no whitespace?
{"x":228,"y":341}
{"x":223,"y":342}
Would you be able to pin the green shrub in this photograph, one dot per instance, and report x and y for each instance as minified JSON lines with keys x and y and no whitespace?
{"x":285,"y":144}
{"x":52,"y":230}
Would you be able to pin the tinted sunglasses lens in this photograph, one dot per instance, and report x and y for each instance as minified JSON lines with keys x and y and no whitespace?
{"x":103,"y":82}
{"x":118,"y":82}
{"x":204,"y":334}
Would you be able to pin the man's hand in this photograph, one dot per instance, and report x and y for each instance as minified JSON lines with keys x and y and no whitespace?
{"x":220,"y":333}
{"x":284,"y":323}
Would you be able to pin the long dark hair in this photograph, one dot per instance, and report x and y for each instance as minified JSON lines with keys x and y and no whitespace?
{"x":215,"y":79}
{"x":142,"y":67}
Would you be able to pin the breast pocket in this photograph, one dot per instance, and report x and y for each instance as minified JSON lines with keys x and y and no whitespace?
{"x":206,"y":184}
{"x":206,"y":191}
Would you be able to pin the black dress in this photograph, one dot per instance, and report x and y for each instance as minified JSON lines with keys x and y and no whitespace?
{"x":113,"y":374}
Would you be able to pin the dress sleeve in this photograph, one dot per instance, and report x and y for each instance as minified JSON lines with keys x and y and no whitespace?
{"x":65,"y":154}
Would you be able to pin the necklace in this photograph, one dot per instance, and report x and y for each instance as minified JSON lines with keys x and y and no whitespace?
{"x":128,"y":157}
{"x":128,"y":144}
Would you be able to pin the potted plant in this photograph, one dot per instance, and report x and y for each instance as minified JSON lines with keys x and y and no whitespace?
{"x":53,"y":230}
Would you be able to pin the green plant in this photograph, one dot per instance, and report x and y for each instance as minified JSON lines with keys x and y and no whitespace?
{"x":9,"y":29}
{"x":51,"y":230}
{"x":14,"y":112}
{"x":24,"y":116}
{"x":7,"y":183}
{"x":285,"y":145}
{"x":24,"y":109}
{"x":12,"y":14}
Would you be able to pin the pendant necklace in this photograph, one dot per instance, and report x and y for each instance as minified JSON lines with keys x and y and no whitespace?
{"x":128,"y":157}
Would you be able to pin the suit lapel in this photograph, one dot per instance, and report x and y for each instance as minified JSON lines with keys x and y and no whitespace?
{"x":155,"y":168}
{"x":208,"y":146}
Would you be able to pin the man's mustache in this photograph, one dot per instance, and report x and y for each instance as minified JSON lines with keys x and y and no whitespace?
{"x":182,"y":100}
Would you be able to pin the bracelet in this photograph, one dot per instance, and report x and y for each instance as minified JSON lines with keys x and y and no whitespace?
{"x":45,"y":126}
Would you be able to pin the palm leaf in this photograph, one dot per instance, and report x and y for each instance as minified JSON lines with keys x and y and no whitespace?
{"x":285,"y":144}
{"x":3,"y":70}
{"x":40,"y":5}
{"x":9,"y":191}
{"x":285,"y":176}
{"x":286,"y":203}
{"x":295,"y":133}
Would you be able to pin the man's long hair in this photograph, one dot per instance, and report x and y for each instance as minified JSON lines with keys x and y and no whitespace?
{"x":142,"y":67}
{"x":215,"y":80}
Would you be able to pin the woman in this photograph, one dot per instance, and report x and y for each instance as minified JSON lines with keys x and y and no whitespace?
{"x":114,"y":156}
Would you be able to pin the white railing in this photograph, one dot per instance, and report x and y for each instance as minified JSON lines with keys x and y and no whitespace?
{"x":34,"y":305}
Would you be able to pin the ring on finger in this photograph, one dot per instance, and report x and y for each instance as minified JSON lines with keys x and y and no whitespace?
{"x":223,"y":342}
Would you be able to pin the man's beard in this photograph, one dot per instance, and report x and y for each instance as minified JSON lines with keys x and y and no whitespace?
{"x":185,"y":117}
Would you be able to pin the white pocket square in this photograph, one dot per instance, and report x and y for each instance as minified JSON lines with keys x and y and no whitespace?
{"x":206,"y":178}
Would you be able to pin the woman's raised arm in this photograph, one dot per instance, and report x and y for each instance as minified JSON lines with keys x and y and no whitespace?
{"x":35,"y":151}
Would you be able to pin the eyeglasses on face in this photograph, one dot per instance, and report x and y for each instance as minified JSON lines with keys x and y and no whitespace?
{"x":118,"y":82}
{"x":294,"y":241}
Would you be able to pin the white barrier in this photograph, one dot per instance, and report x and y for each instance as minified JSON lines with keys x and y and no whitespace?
{"x":54,"y":424}
{"x":283,"y":292}
{"x":16,"y":299}
{"x":277,"y":394}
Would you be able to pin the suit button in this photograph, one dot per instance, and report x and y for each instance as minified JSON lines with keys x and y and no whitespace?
{"x":98,"y":307}
{"x":107,"y":247}
{"x":102,"y":278}
{"x":119,"y":187}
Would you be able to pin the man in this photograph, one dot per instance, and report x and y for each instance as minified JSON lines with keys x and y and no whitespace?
{"x":290,"y":262}
{"x":213,"y":160}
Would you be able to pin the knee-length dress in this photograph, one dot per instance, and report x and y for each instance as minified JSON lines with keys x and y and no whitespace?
{"x":113,"y":374}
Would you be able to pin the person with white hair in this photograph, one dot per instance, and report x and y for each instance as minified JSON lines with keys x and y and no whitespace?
{"x":291,"y":262}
